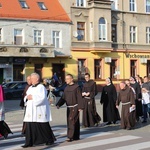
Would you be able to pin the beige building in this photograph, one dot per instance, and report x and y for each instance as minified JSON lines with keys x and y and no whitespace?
{"x":109,"y":38}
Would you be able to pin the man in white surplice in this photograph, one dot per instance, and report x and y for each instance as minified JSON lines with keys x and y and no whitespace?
{"x":37,"y":115}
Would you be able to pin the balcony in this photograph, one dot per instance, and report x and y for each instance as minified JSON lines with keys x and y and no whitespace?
{"x":90,"y":45}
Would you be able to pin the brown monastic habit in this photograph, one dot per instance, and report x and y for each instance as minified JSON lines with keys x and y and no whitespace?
{"x":73,"y":99}
{"x":126,"y":96}
{"x":90,"y":115}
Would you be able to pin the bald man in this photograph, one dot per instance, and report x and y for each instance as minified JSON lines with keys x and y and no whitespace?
{"x":126,"y":96}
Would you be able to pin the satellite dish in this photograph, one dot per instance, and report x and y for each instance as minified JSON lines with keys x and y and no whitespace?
{"x":75,"y":34}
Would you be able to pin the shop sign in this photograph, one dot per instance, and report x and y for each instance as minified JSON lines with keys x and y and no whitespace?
{"x":128,"y":55}
{"x":20,"y":60}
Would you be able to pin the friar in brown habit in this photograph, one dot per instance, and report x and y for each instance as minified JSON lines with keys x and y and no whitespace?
{"x":73,"y":98}
{"x":127,"y":97}
{"x":89,"y":91}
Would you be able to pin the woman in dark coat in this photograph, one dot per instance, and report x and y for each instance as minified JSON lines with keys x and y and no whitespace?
{"x":108,"y":99}
{"x":136,"y":86}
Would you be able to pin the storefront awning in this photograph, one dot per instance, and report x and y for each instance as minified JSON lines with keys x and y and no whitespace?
{"x":26,"y":51}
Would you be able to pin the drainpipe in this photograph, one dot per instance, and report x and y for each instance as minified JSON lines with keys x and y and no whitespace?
{"x":123,"y":35}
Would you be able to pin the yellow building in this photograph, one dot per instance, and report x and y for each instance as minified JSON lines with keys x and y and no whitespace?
{"x":109,"y":38}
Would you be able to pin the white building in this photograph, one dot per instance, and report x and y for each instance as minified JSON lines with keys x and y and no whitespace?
{"x":33,"y":36}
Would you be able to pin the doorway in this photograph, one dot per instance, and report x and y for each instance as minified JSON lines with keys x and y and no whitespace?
{"x":59,"y":69}
{"x":18,"y":72}
{"x":1,"y":75}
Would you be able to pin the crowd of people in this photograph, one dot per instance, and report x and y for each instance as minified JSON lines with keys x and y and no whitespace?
{"x":133,"y":96}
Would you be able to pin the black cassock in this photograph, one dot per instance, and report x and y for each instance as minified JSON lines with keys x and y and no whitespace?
{"x":108,"y":99}
{"x":139,"y":111}
{"x":90,"y":115}
{"x":73,"y":99}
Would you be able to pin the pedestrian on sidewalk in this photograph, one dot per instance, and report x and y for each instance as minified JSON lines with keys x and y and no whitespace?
{"x":73,"y":98}
{"x":4,"y":129}
{"x":37,"y":116}
{"x":89,"y":91}
{"x":22,"y":102}
{"x":108,"y":99}
{"x":126,"y":96}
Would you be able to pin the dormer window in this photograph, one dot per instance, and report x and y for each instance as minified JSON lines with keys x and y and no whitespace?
{"x":42,"y":6}
{"x":23,"y":4}
{"x":80,"y":3}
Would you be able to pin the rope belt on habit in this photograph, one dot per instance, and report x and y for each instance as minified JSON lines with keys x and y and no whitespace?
{"x":72,"y":106}
{"x":126,"y":103}
{"x":87,"y":97}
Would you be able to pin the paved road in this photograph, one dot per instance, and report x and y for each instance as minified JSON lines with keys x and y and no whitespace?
{"x":97,"y":138}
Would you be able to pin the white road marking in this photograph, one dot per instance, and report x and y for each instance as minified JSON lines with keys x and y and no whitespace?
{"x":96,"y":143}
{"x":137,"y":146}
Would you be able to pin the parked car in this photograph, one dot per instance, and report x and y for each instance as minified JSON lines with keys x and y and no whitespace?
{"x":58,"y":91}
{"x":14,"y":90}
{"x":9,"y":84}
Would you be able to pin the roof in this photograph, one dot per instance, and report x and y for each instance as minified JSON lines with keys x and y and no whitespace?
{"x":13,"y":10}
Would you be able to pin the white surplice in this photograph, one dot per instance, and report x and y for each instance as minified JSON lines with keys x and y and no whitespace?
{"x":37,"y":109}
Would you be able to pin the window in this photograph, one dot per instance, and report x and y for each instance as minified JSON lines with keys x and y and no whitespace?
{"x":114,"y":4}
{"x":23,"y":4}
{"x":38,"y":37}
{"x":147,"y":34}
{"x":18,"y":37}
{"x":114,"y":33}
{"x":132,"y":5}
{"x":133,"y":68}
{"x":102,"y":29}
{"x":42,"y":6}
{"x":91,"y":31}
{"x":97,"y":68}
{"x":80,"y":3}
{"x":82,"y":69}
{"x":57,"y":39}
{"x":113,"y":69}
{"x":81,"y":31}
{"x":133,"y":34}
{"x":0,"y":34}
{"x":148,"y":6}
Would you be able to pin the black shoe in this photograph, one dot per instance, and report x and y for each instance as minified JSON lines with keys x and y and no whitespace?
{"x":49,"y":143}
{"x":144,"y":121}
{"x":108,"y":123}
{"x":6,"y":135}
{"x":76,"y":139}
{"x":114,"y":122}
{"x":26,"y":146}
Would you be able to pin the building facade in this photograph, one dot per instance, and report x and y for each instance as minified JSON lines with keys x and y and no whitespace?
{"x":109,"y":38}
{"x":35,"y":38}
